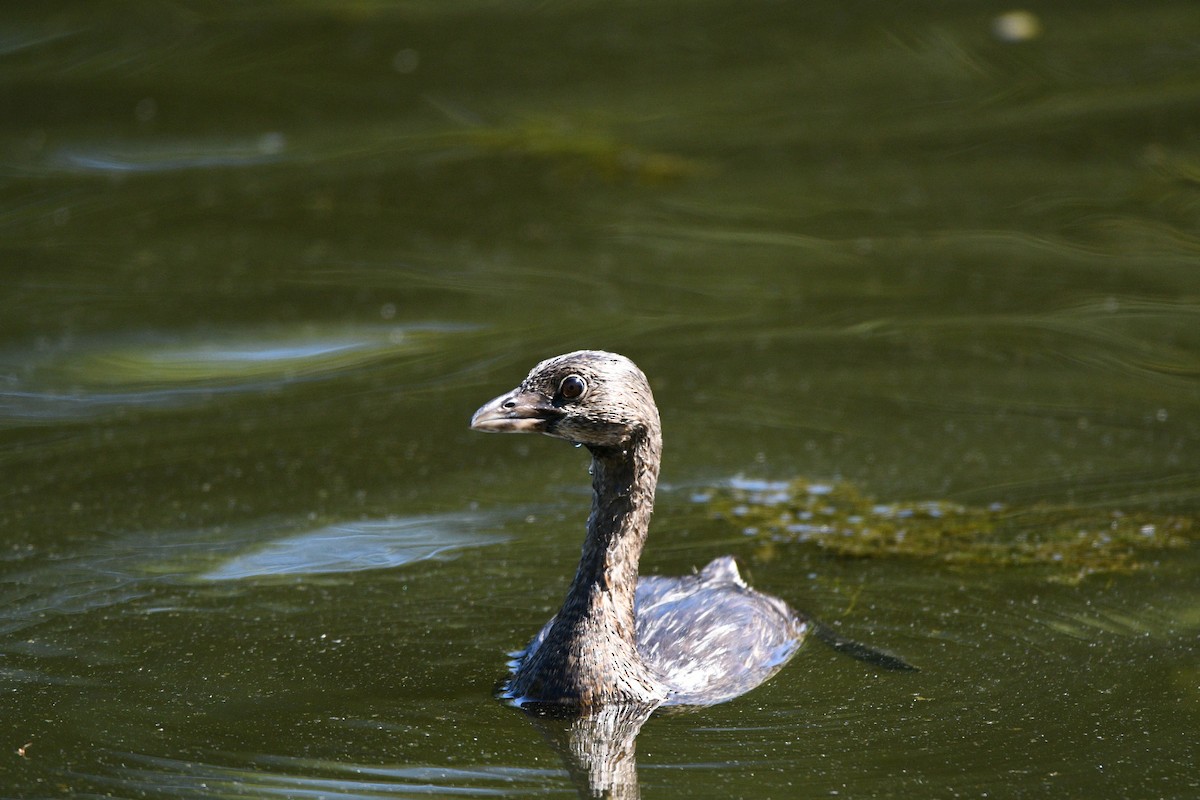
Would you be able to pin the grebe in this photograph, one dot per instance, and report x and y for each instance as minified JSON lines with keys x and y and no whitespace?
{"x":696,"y":640}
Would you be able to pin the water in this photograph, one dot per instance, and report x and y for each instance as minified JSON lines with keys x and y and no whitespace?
{"x":261,"y":264}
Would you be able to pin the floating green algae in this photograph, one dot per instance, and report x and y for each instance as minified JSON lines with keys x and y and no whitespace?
{"x":1069,"y":542}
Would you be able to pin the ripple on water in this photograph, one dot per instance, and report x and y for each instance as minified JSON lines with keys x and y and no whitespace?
{"x":269,"y":148}
{"x":271,"y":776}
{"x":360,"y":545}
{"x":87,"y":378}
{"x":128,"y":567}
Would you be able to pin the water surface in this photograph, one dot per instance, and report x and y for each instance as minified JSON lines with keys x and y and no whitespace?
{"x":261,"y":264}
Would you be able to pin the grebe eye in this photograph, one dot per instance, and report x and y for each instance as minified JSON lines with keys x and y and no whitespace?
{"x":572,"y":387}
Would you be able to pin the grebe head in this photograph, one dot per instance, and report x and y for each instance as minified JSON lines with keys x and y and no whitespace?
{"x":590,"y":397}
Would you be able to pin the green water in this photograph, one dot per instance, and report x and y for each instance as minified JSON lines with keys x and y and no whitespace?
{"x":262,"y":261}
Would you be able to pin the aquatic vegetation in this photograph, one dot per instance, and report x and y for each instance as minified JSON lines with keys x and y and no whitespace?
{"x":1070,"y":543}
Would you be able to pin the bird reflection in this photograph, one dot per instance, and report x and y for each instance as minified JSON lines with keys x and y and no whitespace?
{"x":597,"y":745}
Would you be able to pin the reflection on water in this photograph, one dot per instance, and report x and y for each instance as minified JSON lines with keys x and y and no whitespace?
{"x":128,"y":567}
{"x":159,"y":157}
{"x":90,"y":377}
{"x":25,"y":407}
{"x":354,"y":546}
{"x":598,"y":747}
{"x":229,"y":357}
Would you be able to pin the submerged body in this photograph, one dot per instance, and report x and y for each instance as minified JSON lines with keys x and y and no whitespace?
{"x":695,"y":640}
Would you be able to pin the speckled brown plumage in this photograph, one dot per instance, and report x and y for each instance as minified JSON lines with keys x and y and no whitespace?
{"x":694,"y":640}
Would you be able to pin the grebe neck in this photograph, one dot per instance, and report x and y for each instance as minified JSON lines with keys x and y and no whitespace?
{"x":589,"y":655}
{"x":623,"y":484}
